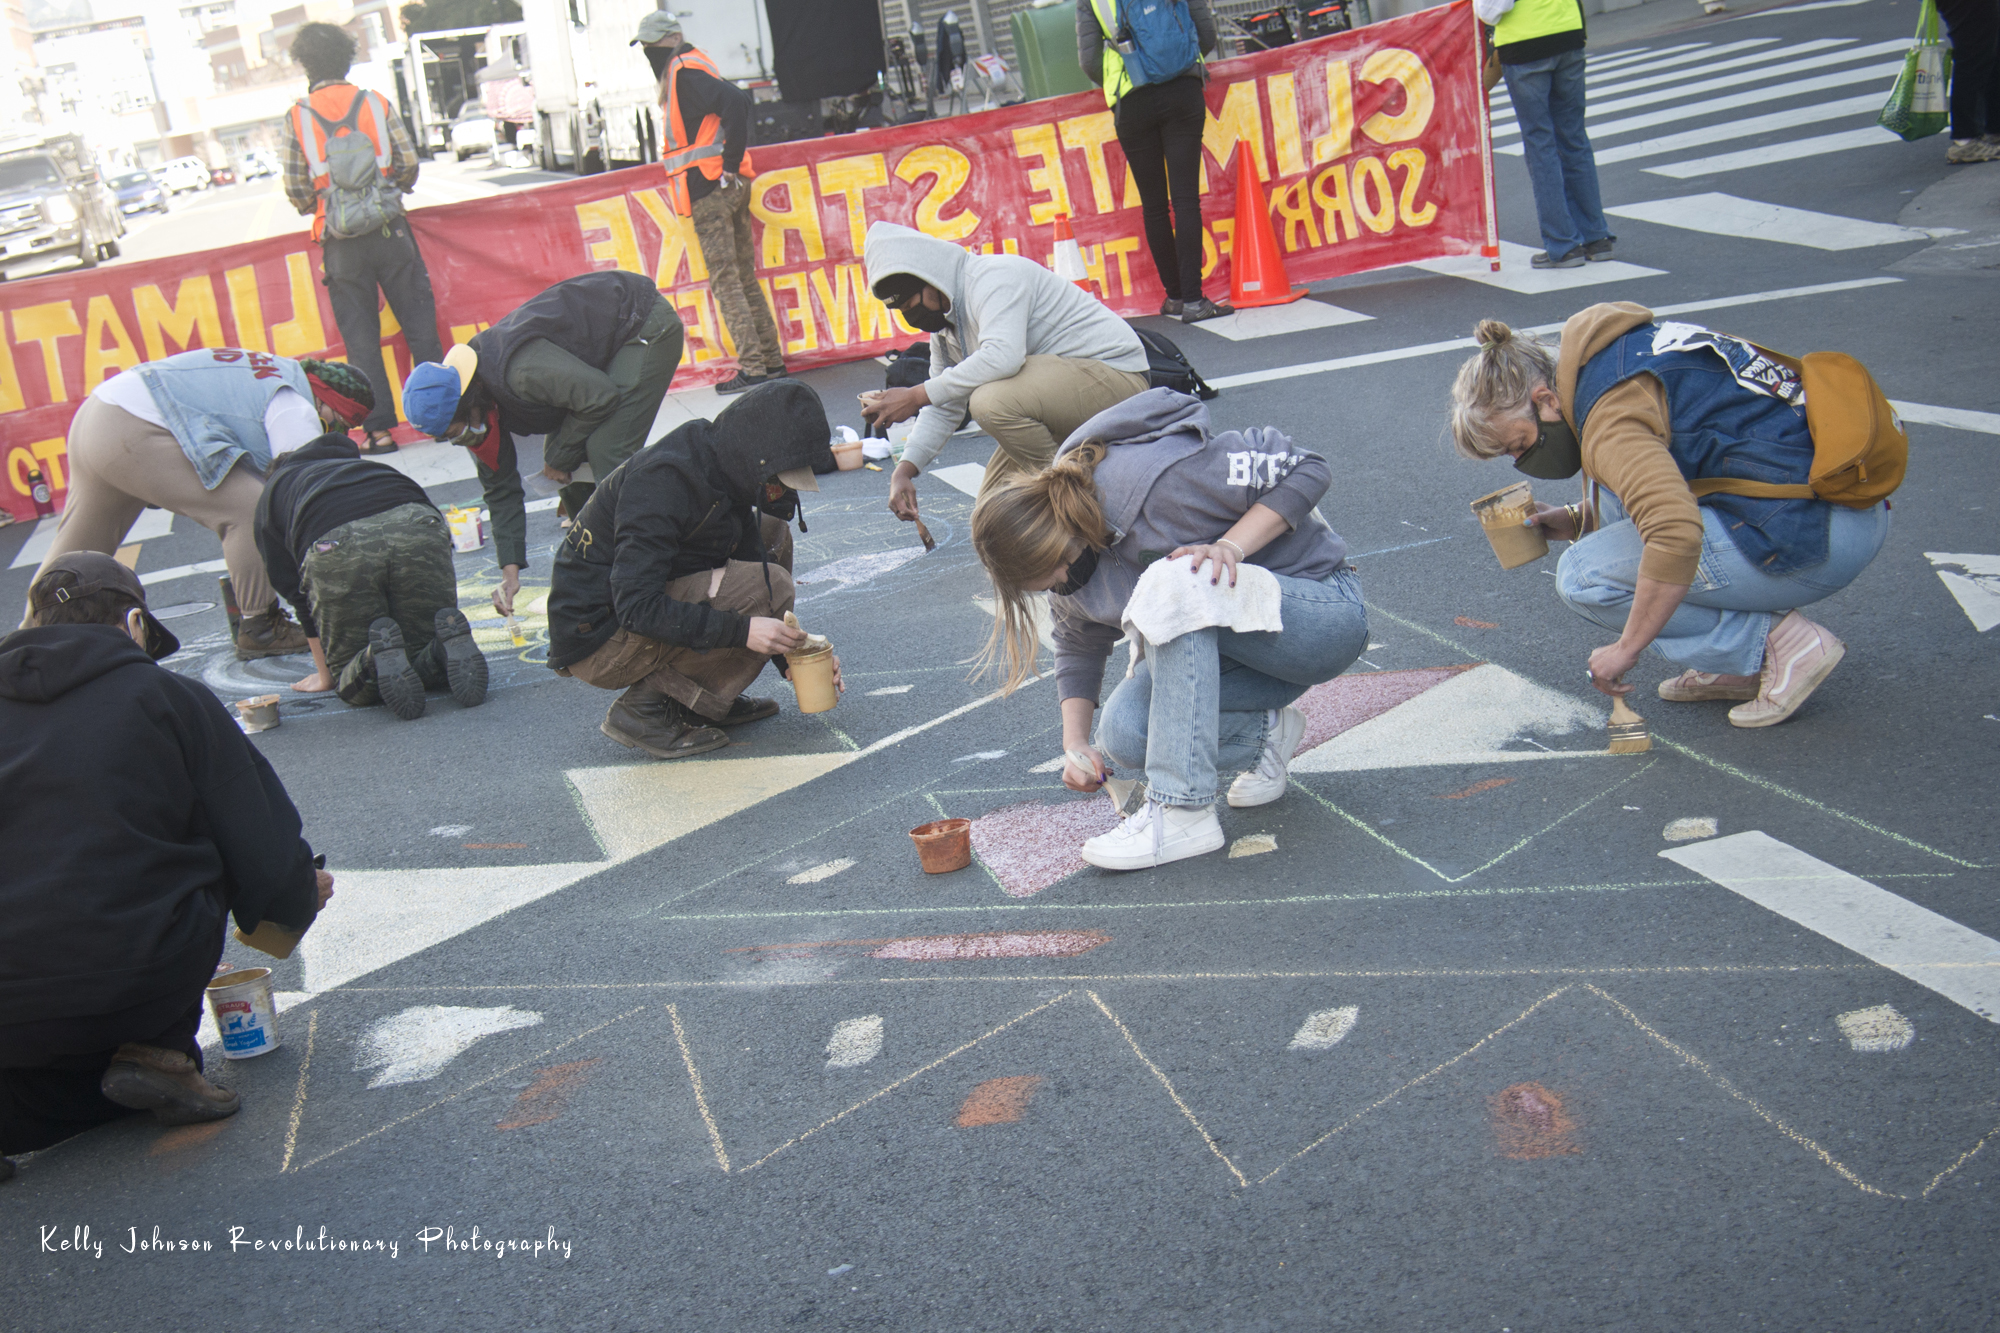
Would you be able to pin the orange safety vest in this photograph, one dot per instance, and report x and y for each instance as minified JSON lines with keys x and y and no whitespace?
{"x":373,"y":122}
{"x":704,"y":151}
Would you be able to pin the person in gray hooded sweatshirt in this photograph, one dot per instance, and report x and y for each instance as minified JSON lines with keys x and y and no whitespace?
{"x":1028,"y":355}
{"x":1143,"y":480}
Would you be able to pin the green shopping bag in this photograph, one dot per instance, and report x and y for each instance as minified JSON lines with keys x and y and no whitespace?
{"x":1917,"y":106}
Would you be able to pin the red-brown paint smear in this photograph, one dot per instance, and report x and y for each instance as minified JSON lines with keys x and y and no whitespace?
{"x":548,"y":1095}
{"x":1470,"y":623}
{"x":999,"y":1101}
{"x":186,"y":1136}
{"x":1529,"y":1123}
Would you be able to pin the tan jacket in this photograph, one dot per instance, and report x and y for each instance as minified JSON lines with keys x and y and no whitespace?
{"x":1625,"y":445}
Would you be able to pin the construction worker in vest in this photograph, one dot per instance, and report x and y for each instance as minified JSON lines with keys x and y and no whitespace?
{"x":707,"y":121}
{"x":1540,"y":43}
{"x":365,"y":239}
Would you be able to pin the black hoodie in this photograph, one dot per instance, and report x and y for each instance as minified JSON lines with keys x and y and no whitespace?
{"x":134,"y":814}
{"x":685,"y":504}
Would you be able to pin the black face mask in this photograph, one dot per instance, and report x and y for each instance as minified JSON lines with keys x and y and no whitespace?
{"x":923,"y":317}
{"x":657,"y":57}
{"x":1555,"y":454}
{"x":1078,"y":574}
{"x":780,"y":502}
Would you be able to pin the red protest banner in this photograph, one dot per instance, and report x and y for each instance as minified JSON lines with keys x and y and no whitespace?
{"x":1372,"y":146}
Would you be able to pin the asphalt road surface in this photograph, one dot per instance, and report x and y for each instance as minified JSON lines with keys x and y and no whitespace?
{"x":1474,"y":1034}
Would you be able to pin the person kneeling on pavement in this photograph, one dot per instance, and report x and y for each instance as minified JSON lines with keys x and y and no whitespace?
{"x":673,"y":584}
{"x":137,"y":815}
{"x":364,"y":558}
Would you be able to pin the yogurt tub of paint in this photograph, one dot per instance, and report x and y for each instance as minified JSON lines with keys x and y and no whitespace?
{"x":258,"y":714}
{"x":244,"y":1012}
{"x":848,"y":455}
{"x":812,"y":678}
{"x":1503,"y":518}
{"x":943,"y":845}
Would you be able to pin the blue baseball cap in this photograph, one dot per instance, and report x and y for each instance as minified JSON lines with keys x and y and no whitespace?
{"x":431,"y":394}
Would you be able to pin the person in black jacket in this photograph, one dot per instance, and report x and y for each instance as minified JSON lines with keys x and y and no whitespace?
{"x":672,"y":584}
{"x":364,"y":558}
{"x":585,"y":364}
{"x":136,"y":815}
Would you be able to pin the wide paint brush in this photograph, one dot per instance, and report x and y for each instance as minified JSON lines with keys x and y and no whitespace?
{"x":924,"y":534}
{"x":1629,"y":733}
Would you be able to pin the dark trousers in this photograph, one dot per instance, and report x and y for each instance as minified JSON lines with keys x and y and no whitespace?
{"x":356,"y":268}
{"x":1159,"y":127}
{"x":1975,"y":66}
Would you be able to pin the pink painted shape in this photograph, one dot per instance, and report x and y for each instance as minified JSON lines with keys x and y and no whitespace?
{"x":1031,"y":846}
{"x":1346,"y":702}
{"x":996,"y":944}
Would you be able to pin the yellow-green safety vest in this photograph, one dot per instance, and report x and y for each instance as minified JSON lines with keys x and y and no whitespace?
{"x":1116,"y":81}
{"x":1529,"y":19}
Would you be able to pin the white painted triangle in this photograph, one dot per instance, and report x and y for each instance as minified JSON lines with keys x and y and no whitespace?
{"x":1038,"y":611}
{"x":418,"y":1043}
{"x":1977,"y":589}
{"x":1468,"y":719}
{"x":1272,"y":320}
{"x":961,"y":476}
{"x":633,"y":808}
{"x":1752,"y":219}
{"x":1518,"y":273}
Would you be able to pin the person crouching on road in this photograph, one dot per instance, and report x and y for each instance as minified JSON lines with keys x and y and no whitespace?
{"x":585,"y":364}
{"x":1645,"y":412}
{"x":673,"y":583}
{"x":193,"y":435}
{"x":137,"y":817}
{"x":364,"y":557}
{"x":1142,"y":478}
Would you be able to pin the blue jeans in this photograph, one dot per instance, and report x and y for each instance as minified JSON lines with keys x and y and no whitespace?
{"x":1548,"y":103}
{"x":1722,"y":624}
{"x":1199,"y":703}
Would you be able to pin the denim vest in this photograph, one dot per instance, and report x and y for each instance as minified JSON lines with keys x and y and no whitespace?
{"x":1719,"y":428}
{"x":213,"y":400}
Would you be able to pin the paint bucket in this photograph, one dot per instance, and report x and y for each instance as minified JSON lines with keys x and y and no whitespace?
{"x":467,"y":533}
{"x":848,"y":455}
{"x":943,"y":845}
{"x":1502,"y":516}
{"x":244,"y":1012}
{"x":812,"y":679}
{"x":258,"y":714}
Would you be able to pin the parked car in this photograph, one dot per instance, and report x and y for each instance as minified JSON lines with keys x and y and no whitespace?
{"x":471,"y":131}
{"x":258,"y":163}
{"x":138,"y":191}
{"x":221,"y":176}
{"x":184,"y":174}
{"x":54,"y":207}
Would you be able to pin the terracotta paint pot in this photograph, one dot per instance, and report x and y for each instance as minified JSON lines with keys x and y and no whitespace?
{"x":812,"y":679}
{"x":943,"y":845}
{"x":848,"y":456}
{"x":1502,"y":517}
{"x":245,"y":1013}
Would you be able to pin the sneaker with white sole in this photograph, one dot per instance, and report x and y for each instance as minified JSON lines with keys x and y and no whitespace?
{"x":1155,"y":834}
{"x":1266,"y":782}
{"x":1798,"y":655}
{"x":1693,"y":687}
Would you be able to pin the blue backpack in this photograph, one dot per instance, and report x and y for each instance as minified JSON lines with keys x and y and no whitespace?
{"x":1156,"y":39}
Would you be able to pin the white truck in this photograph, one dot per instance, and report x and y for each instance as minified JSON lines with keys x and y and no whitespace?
{"x":596,"y":101}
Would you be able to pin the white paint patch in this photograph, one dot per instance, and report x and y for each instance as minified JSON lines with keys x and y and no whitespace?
{"x":855,"y":569}
{"x":432,"y":463}
{"x":855,"y":1041}
{"x":418,"y":1043}
{"x":451,"y":830}
{"x":1977,"y":590}
{"x":1686,"y":830}
{"x":1952,"y":418}
{"x":1960,"y":964}
{"x":980,"y":757}
{"x":967,"y":477}
{"x":1254,"y":844}
{"x":1269,"y":321}
{"x":820,"y":872}
{"x":1518,"y":274}
{"x":1325,"y":1029}
{"x":1752,"y":219}
{"x":1464,"y":720}
{"x":183,"y":571}
{"x":1054,"y":765}
{"x":890,"y":689}
{"x":1877,"y":1029}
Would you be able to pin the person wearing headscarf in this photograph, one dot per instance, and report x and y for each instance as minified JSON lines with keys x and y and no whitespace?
{"x":673,"y":583}
{"x":194,"y":435}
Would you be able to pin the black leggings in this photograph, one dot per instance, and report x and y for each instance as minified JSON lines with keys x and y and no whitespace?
{"x":1975,"y":66}
{"x":1159,"y":127}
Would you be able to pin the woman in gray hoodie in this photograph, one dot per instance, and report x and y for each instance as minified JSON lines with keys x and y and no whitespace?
{"x":1143,"y":480}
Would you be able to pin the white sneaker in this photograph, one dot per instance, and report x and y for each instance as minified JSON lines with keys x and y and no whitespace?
{"x":1155,"y":834}
{"x":1266,"y":782}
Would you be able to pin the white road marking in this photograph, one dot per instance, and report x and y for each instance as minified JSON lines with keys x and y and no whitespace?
{"x":855,"y":1041}
{"x":451,"y":830}
{"x":1617,"y":87}
{"x":1868,"y":136}
{"x":1326,"y":1029}
{"x":1518,"y":273}
{"x":1802,"y":9}
{"x":1896,"y":46}
{"x":1952,"y":418}
{"x":1876,"y":1030}
{"x":1054,"y":765}
{"x":890,"y":689}
{"x":980,"y":757}
{"x":1686,"y":830}
{"x":150,"y":524}
{"x":1934,"y":951}
{"x":543,"y":505}
{"x":1727,"y":215}
{"x":431,"y":463}
{"x":418,"y":1043}
{"x":1777,"y":92}
{"x":1464,"y":720}
{"x":820,"y":872}
{"x":1865,"y":104}
{"x":1038,"y":611}
{"x":962,"y":476}
{"x":1977,"y":589}
{"x":855,"y":569}
{"x":183,"y":571}
{"x":1270,"y":321}
{"x":1253,"y":844}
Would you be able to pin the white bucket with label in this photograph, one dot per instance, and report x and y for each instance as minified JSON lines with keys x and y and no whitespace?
{"x":244,"y":1012}
{"x":467,"y":532}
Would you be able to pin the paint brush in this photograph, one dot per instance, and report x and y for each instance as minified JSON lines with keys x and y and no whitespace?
{"x":924,"y":534}
{"x":1629,"y":733}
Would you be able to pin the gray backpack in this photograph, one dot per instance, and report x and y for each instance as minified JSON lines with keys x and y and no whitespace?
{"x":359,"y":197}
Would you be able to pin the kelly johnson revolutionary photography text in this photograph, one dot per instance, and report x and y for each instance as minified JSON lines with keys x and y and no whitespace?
{"x":85,"y":1240}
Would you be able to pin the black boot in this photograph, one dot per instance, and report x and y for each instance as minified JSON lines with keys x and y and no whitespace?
{"x":464,"y":664}
{"x":395,"y":679}
{"x":645,"y":719}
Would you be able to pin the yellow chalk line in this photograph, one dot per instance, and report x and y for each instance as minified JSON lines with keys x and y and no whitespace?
{"x":299,"y":1100}
{"x":700,"y":1097}
{"x":1167,"y":1083}
{"x":1963,"y":1158}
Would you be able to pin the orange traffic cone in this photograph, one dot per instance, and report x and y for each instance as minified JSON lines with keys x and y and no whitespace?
{"x":1069,"y":256}
{"x":1256,"y":264}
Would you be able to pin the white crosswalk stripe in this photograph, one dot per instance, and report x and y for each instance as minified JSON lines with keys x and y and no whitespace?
{"x":1866,"y":103}
{"x":1726,"y":215}
{"x":1818,"y":145}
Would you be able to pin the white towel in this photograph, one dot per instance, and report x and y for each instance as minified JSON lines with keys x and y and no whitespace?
{"x":1171,"y":600}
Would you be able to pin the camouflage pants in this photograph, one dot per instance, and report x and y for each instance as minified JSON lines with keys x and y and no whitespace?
{"x":396,"y":563}
{"x":722,"y":225}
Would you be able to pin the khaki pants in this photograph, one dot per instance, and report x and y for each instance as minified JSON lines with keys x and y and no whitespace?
{"x":119,"y":464}
{"x":709,"y":680}
{"x":722,"y":226}
{"x":1033,"y":412}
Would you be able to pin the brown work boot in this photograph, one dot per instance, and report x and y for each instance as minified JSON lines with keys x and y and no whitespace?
{"x":658,"y":725}
{"x":147,"y":1078}
{"x":745,"y":709}
{"x":270,"y":634}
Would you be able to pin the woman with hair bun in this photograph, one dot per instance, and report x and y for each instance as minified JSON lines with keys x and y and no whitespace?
{"x":1138,"y":482}
{"x":1713,"y":581}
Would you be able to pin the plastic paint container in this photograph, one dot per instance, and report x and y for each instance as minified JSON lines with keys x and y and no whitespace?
{"x":848,"y":455}
{"x":1502,"y":516}
{"x":943,"y":845}
{"x":244,"y":1012}
{"x":467,"y":532}
{"x":258,"y":714}
{"x":812,"y":679}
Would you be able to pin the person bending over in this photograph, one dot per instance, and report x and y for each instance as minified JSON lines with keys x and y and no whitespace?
{"x":1143,"y":478}
{"x":136,"y":817}
{"x":672,"y":584}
